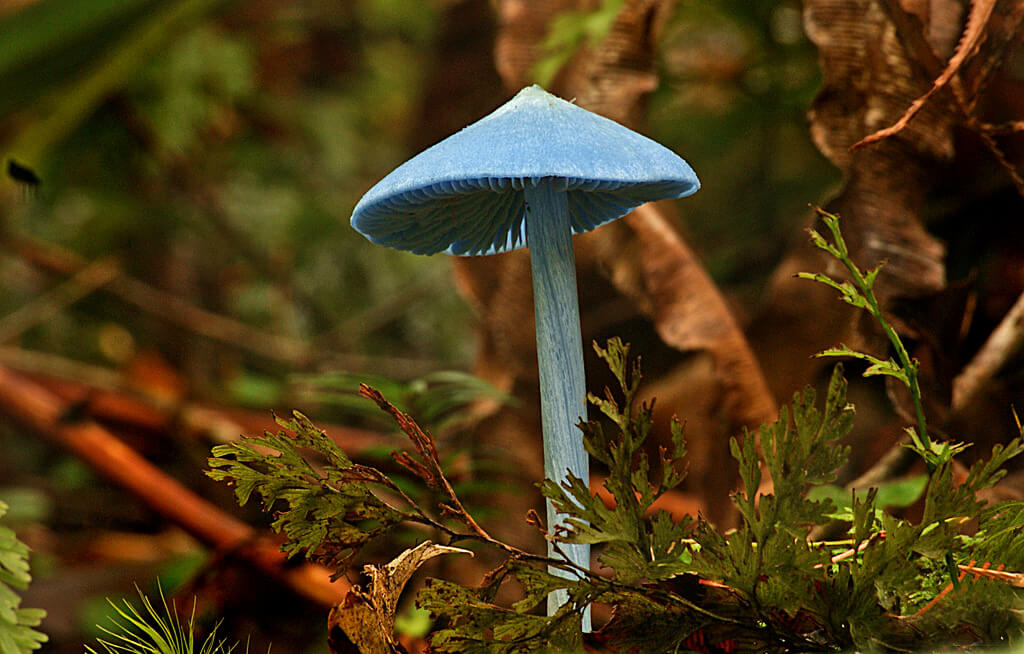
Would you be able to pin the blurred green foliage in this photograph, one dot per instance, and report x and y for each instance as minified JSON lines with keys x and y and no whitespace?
{"x":570,"y":31}
{"x":277,"y":117}
{"x":737,"y":80}
{"x":18,"y":633}
{"x":208,"y":144}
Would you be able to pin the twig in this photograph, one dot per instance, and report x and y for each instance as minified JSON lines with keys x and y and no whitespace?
{"x":45,"y":363}
{"x":1004,"y":161}
{"x":55,"y":259}
{"x":945,"y":591}
{"x":430,"y":471}
{"x":216,"y":327}
{"x":354,"y":328}
{"x":911,"y":33}
{"x":998,"y":129}
{"x":853,"y":551}
{"x":893,"y":463}
{"x":46,"y":306}
{"x":1002,"y":344}
{"x":38,"y":410}
{"x":111,"y":399}
{"x":1015,"y":579}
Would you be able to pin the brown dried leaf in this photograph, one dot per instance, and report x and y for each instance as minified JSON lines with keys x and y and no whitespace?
{"x":869,"y":78}
{"x":689,"y":314}
{"x":688,"y":311}
{"x":388,"y":581}
{"x":871,"y":73}
{"x":352,"y":628}
{"x":365,"y":622}
{"x":658,"y":274}
{"x":977,"y":20}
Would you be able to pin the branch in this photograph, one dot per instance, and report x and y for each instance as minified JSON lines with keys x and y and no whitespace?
{"x":981,"y":11}
{"x":46,"y":306}
{"x":177,"y":311}
{"x":34,"y":408}
{"x":57,"y":260}
{"x":110,"y":398}
{"x":893,"y":463}
{"x":911,"y":33}
{"x":1002,"y":344}
{"x":430,"y":471}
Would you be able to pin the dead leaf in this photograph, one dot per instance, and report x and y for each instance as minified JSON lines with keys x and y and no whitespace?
{"x":662,"y":277}
{"x":977,"y":19}
{"x":352,"y":628}
{"x":690,"y":313}
{"x":365,"y":622}
{"x":869,"y":78}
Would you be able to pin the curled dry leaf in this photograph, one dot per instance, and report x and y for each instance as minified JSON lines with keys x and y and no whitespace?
{"x":666,"y":280}
{"x":981,"y":11}
{"x":870,"y":75}
{"x":364,"y":623}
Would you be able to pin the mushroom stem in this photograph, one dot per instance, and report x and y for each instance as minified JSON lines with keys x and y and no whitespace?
{"x":559,"y":350}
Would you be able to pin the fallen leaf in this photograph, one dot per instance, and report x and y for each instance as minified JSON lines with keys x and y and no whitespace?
{"x":365,"y":622}
{"x":977,"y":19}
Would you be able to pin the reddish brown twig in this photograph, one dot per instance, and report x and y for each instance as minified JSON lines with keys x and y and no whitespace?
{"x":1015,"y":579}
{"x":33,"y":407}
{"x":109,"y":398}
{"x":429,"y":469}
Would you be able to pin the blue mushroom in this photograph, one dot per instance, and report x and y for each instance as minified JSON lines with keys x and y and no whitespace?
{"x":532,"y":173}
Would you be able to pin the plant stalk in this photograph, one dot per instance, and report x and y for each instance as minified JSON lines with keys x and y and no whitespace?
{"x":559,"y":353}
{"x":923,"y":441}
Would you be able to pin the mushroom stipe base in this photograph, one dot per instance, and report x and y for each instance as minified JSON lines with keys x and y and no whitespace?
{"x":559,"y":351}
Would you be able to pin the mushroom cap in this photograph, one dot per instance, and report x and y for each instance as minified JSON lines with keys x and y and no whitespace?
{"x":464,"y":195}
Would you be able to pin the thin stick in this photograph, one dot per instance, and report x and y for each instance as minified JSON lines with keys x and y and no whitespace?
{"x":48,"y":305}
{"x":1003,"y":343}
{"x":893,"y":463}
{"x":34,"y":408}
{"x":216,"y":327}
{"x":55,"y":259}
{"x":112,"y":399}
{"x":49,"y":364}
